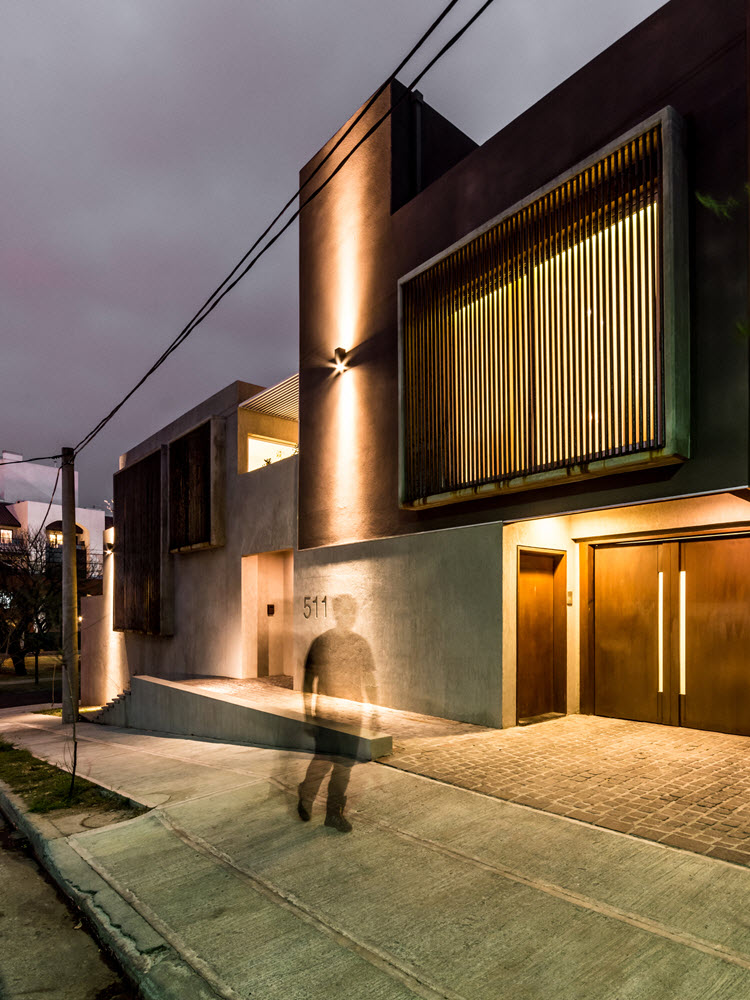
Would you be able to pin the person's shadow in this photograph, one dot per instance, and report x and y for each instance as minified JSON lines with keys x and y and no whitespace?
{"x":339,"y":664}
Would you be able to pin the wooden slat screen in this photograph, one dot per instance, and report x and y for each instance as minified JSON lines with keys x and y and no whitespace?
{"x":190,"y":489}
{"x":538,"y":345}
{"x":137,"y":497}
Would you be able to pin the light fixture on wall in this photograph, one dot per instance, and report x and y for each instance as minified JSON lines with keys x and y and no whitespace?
{"x":339,"y":360}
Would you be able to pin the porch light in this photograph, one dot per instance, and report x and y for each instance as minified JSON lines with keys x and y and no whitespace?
{"x":339,"y":360}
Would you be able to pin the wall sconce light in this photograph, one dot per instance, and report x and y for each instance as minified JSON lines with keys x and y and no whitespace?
{"x":339,"y":360}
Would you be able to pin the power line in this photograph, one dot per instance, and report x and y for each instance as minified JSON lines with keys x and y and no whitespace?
{"x":22,"y":461}
{"x":227,"y":285}
{"x":49,"y":506}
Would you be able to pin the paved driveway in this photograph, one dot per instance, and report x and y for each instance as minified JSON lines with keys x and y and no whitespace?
{"x":680,"y":787}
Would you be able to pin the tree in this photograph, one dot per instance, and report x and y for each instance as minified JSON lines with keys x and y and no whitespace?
{"x":30,"y":595}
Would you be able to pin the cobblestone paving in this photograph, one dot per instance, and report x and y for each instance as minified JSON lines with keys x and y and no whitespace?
{"x":681,"y":787}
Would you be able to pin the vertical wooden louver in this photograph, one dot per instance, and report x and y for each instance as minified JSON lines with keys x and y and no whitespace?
{"x":538,"y":345}
{"x":190,"y":489}
{"x":137,"y":591}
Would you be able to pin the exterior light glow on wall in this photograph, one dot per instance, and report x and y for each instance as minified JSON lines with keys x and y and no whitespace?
{"x":339,"y":361}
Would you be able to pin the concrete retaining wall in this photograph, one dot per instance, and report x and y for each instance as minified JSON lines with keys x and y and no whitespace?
{"x":429,"y":607}
{"x":167,"y":706}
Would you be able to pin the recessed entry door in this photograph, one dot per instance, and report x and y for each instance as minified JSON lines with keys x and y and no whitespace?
{"x":541,"y":650}
{"x":672,"y":633}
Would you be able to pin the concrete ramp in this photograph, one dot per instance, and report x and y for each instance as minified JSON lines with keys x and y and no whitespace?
{"x":186,"y":710}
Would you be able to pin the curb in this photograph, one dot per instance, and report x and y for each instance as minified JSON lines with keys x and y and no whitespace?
{"x":150,"y":962}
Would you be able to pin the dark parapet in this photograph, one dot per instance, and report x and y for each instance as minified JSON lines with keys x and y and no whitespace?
{"x":424,"y":146}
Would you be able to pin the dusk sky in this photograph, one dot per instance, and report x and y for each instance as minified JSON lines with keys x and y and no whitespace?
{"x":146,"y":143}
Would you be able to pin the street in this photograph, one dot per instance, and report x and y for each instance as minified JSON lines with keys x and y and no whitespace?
{"x":437,"y":892}
{"x":45,"y":951}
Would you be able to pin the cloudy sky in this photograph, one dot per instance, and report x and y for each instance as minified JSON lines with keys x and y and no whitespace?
{"x":146,"y":143}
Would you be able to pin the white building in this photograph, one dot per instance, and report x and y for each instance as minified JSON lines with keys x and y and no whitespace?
{"x":26,"y":489}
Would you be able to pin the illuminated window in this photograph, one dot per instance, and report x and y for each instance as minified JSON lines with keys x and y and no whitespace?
{"x":538,"y":345}
{"x":55,"y":538}
{"x":266,"y":451}
{"x":6,"y":536}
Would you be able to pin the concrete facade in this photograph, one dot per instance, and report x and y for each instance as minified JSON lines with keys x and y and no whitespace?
{"x":353,"y":251}
{"x":320,"y":548}
{"x":428,"y":605}
{"x":206,"y":585}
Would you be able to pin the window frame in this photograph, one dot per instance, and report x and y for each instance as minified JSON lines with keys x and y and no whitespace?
{"x":675,"y":324}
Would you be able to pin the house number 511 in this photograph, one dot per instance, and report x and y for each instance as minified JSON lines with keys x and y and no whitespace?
{"x":317,"y":604}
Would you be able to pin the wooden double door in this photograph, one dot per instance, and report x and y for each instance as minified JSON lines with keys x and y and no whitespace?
{"x":671,"y":640}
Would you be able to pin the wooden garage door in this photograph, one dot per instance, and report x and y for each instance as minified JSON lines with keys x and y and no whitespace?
{"x":672,"y":633}
{"x":626,"y":632}
{"x":717,"y":635}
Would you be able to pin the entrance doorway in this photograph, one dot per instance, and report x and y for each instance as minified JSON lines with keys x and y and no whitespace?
{"x":672,"y":633}
{"x":541,"y":654}
{"x":267,"y":635}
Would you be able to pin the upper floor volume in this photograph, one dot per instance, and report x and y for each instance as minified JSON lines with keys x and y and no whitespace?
{"x":556,"y":305}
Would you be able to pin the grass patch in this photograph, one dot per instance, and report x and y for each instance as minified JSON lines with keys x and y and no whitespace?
{"x":45,"y":787}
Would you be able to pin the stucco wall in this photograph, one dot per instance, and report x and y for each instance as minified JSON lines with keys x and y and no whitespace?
{"x":429,"y":608}
{"x":207,"y":639}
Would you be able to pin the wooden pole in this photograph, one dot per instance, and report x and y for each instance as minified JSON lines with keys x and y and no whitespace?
{"x":69,"y":589}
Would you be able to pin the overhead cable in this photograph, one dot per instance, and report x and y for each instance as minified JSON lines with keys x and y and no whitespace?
{"x":227,"y":284}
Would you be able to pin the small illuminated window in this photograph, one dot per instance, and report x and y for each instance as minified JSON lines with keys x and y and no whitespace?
{"x":6,"y":536}
{"x":55,"y":538}
{"x":266,"y":451}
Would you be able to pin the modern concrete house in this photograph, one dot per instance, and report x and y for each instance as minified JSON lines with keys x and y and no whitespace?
{"x":524,"y":394}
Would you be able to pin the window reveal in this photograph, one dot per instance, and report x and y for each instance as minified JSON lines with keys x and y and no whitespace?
{"x":538,"y":345}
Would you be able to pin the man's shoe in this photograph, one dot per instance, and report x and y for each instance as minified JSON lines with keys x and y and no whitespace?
{"x":335,"y":818}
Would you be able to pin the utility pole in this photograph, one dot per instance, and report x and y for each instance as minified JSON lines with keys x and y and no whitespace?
{"x":69,"y":590}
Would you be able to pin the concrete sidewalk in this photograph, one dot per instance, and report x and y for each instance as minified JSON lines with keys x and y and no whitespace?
{"x":438,"y":892}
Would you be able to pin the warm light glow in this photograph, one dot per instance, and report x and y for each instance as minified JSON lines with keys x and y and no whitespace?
{"x":347,"y":426}
{"x":55,"y":538}
{"x":661,"y":633}
{"x":347,"y":274}
{"x":682,"y":631}
{"x":344,"y":265}
{"x":6,"y":536}
{"x":266,"y":451}
{"x":567,"y":378}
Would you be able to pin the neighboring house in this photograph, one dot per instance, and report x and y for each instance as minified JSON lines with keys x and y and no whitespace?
{"x":26,"y":489}
{"x":10,"y":526}
{"x":523,"y":416}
